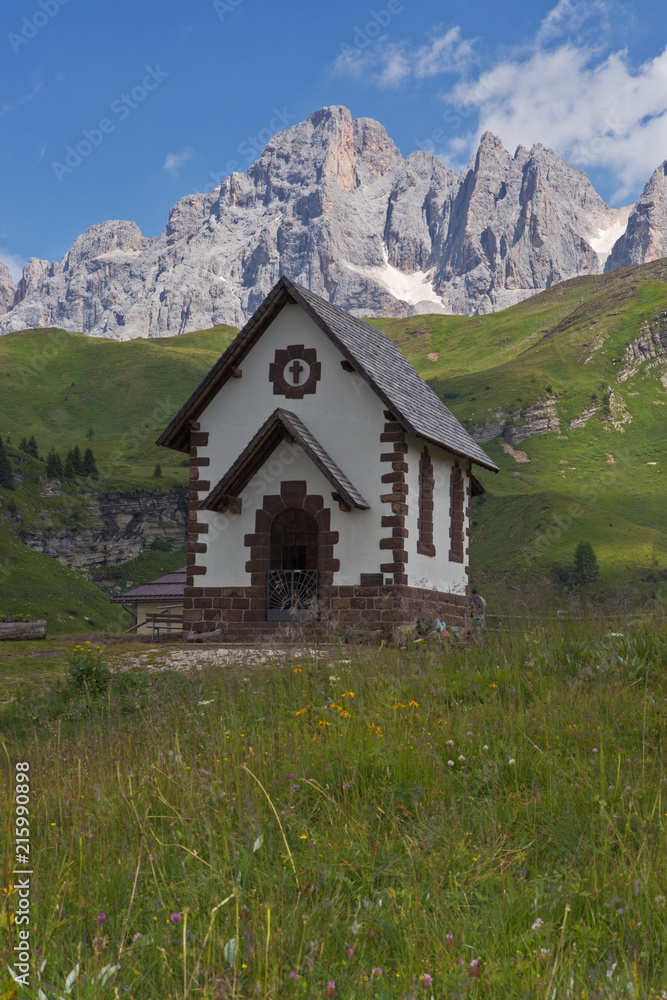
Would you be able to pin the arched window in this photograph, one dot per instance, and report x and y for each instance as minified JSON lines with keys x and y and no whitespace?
{"x":456,"y":506}
{"x":294,"y":540}
{"x":425,"y":544}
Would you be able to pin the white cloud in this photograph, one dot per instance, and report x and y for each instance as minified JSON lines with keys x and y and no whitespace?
{"x":174,"y":161}
{"x":590,"y":21}
{"x":594,"y":112}
{"x":14,"y":263}
{"x":389,"y":64}
{"x":448,"y":53}
{"x":9,"y":106}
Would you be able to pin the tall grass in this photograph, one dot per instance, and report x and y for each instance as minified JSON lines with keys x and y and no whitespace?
{"x":483,"y":822}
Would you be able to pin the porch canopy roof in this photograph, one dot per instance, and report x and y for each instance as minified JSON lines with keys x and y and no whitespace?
{"x":170,"y":587}
{"x":281,"y":425}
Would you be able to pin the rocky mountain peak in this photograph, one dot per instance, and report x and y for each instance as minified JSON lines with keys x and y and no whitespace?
{"x":332,"y":203}
{"x":645,"y":237}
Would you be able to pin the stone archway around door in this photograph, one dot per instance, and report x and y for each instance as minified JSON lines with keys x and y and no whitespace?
{"x":293,"y":497}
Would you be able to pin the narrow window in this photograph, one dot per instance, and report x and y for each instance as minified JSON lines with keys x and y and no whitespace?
{"x":425,"y":545}
{"x":456,"y":505}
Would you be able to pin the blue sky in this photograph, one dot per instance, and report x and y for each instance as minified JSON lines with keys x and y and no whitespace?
{"x":164,"y":97}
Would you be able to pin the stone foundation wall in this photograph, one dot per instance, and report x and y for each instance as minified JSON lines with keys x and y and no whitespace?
{"x":241,"y":611}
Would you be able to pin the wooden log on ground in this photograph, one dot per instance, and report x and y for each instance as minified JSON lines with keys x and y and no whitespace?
{"x":23,"y":630}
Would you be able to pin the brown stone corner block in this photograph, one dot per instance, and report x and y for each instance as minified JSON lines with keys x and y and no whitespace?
{"x":197,"y":570}
{"x":198,"y":439}
{"x":313,"y":504}
{"x":294,"y":490}
{"x":395,"y":436}
{"x":273,"y":505}
{"x":391,"y":543}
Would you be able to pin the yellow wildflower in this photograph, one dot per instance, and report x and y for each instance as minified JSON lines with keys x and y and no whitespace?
{"x":348,"y":694}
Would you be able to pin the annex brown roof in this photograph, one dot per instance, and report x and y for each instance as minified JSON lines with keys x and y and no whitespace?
{"x":170,"y":587}
{"x":371,"y":354}
{"x":281,"y":424}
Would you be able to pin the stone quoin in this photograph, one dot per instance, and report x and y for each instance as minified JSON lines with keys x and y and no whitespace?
{"x":328,"y":483}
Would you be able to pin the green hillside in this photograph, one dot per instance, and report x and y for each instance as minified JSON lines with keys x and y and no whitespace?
{"x":602,"y":481}
{"x":58,"y":385}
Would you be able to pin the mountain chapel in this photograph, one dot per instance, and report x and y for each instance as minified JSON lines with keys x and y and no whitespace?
{"x":327,"y":480}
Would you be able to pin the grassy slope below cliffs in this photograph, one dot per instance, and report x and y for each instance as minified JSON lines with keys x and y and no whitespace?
{"x":57,"y":385}
{"x":602,"y":482}
{"x":564,"y":349}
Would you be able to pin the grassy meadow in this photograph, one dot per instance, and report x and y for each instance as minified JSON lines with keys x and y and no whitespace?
{"x":351,"y":822}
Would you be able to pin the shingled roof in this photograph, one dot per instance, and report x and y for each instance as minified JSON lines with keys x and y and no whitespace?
{"x":280,"y":424}
{"x":369,"y":351}
{"x":168,"y":588}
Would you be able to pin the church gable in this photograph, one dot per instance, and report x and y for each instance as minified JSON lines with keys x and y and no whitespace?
{"x":365,"y":351}
{"x":280,"y":425}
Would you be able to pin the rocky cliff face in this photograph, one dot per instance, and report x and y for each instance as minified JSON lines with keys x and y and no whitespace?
{"x":645,"y":238}
{"x":333,"y":204}
{"x":121,"y":526}
{"x":7,"y":290}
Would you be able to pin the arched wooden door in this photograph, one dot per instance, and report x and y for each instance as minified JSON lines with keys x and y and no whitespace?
{"x":292,"y":582}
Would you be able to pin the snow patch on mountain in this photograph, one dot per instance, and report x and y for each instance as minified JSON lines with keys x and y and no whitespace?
{"x":604,"y":241}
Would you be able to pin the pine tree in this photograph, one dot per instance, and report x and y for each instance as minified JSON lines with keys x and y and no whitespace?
{"x":6,"y":478}
{"x":54,"y":465}
{"x":78,"y":461}
{"x":586,"y":568}
{"x":70,"y":468}
{"x":24,"y":444}
{"x":157,"y":471}
{"x":32,"y":448}
{"x":90,"y":465}
{"x":90,"y":434}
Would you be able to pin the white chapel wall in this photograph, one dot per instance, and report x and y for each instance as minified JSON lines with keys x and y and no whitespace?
{"x":345,"y":416}
{"x":433,"y":571}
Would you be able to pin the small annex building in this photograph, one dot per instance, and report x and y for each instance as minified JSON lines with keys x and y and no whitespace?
{"x":327,"y":480}
{"x":156,"y":608}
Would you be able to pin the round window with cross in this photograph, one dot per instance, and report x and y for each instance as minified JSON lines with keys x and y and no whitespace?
{"x":295,"y":371}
